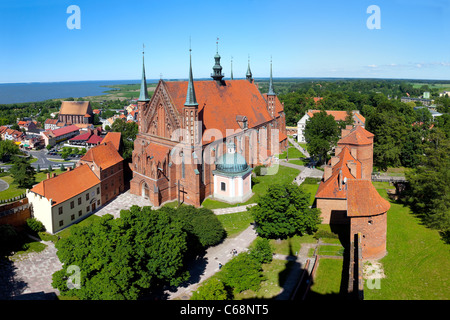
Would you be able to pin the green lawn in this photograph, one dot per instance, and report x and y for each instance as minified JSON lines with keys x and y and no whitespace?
{"x":235,"y":223}
{"x":328,"y":277}
{"x":14,"y":190}
{"x":293,"y":154}
{"x":418,"y":261}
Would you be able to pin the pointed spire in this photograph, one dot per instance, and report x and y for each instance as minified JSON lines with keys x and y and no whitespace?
{"x":231,"y":67}
{"x":249,"y":72}
{"x":191,"y":100}
{"x":271,"y":92}
{"x":143,"y":95}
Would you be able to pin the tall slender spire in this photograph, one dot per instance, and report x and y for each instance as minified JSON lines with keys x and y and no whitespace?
{"x":231,"y":67}
{"x":249,"y":72}
{"x":143,"y":95}
{"x":191,"y":100}
{"x":271,"y":92}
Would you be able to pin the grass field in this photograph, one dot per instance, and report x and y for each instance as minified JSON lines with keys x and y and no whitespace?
{"x":122,"y":92}
{"x":328,"y":277}
{"x":418,"y":261}
{"x":14,"y":190}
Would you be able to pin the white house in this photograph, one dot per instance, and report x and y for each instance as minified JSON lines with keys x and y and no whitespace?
{"x":358,"y":120}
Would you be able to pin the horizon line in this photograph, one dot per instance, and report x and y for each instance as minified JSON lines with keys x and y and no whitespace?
{"x":243,"y":78}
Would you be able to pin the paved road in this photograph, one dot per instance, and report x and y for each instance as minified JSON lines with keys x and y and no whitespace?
{"x":44,"y":160}
{"x":3,"y":185}
{"x":29,"y":274}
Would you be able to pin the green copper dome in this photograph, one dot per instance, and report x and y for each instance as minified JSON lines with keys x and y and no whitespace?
{"x":231,"y":163}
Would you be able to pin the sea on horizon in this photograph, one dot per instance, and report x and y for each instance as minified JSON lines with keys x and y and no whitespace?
{"x":40,"y":91}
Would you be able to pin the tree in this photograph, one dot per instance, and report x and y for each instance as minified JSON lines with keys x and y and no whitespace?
{"x":429,"y":189}
{"x":213,"y":289}
{"x":284,"y":211}
{"x":128,"y":132}
{"x":262,"y":251}
{"x":242,"y":272}
{"x":22,"y":172}
{"x":201,"y":225}
{"x":123,"y":258}
{"x":321,"y":133}
{"x":7,"y":150}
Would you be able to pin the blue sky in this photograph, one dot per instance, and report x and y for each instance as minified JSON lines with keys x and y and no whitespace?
{"x":305,"y":39}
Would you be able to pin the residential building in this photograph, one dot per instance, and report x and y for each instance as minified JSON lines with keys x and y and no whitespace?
{"x":107,"y":164}
{"x":52,"y":137}
{"x":52,"y":124}
{"x":87,"y":139}
{"x":27,"y":125}
{"x":425,"y":102}
{"x":11,"y":134}
{"x":358,"y":120}
{"x":62,"y":200}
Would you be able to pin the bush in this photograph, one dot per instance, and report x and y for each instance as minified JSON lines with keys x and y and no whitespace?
{"x":213,"y":289}
{"x":34,"y":225}
{"x":325,"y":234}
{"x":242,"y":273}
{"x":262,"y":251}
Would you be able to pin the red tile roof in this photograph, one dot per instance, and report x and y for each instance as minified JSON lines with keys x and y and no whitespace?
{"x":157,"y":152}
{"x":51,"y":121}
{"x":357,"y":136}
{"x":64,"y":130}
{"x":330,"y":187}
{"x":67,"y":185}
{"x":237,"y":97}
{"x":364,"y":200}
{"x":81,"y":137}
{"x":338,"y":115}
{"x":104,"y":155}
{"x":94,"y":139}
{"x":114,"y":138}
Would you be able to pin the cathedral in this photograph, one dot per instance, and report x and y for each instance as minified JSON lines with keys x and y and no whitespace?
{"x":200,"y":139}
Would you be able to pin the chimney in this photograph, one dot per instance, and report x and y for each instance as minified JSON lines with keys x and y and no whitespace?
{"x":327,"y":172}
{"x":48,"y":175}
{"x":53,"y":174}
{"x":352,"y":167}
{"x":334,"y":160}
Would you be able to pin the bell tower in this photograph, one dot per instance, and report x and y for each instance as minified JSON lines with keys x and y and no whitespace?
{"x":271,"y":95}
{"x":217,"y":74}
{"x":190,"y":109}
